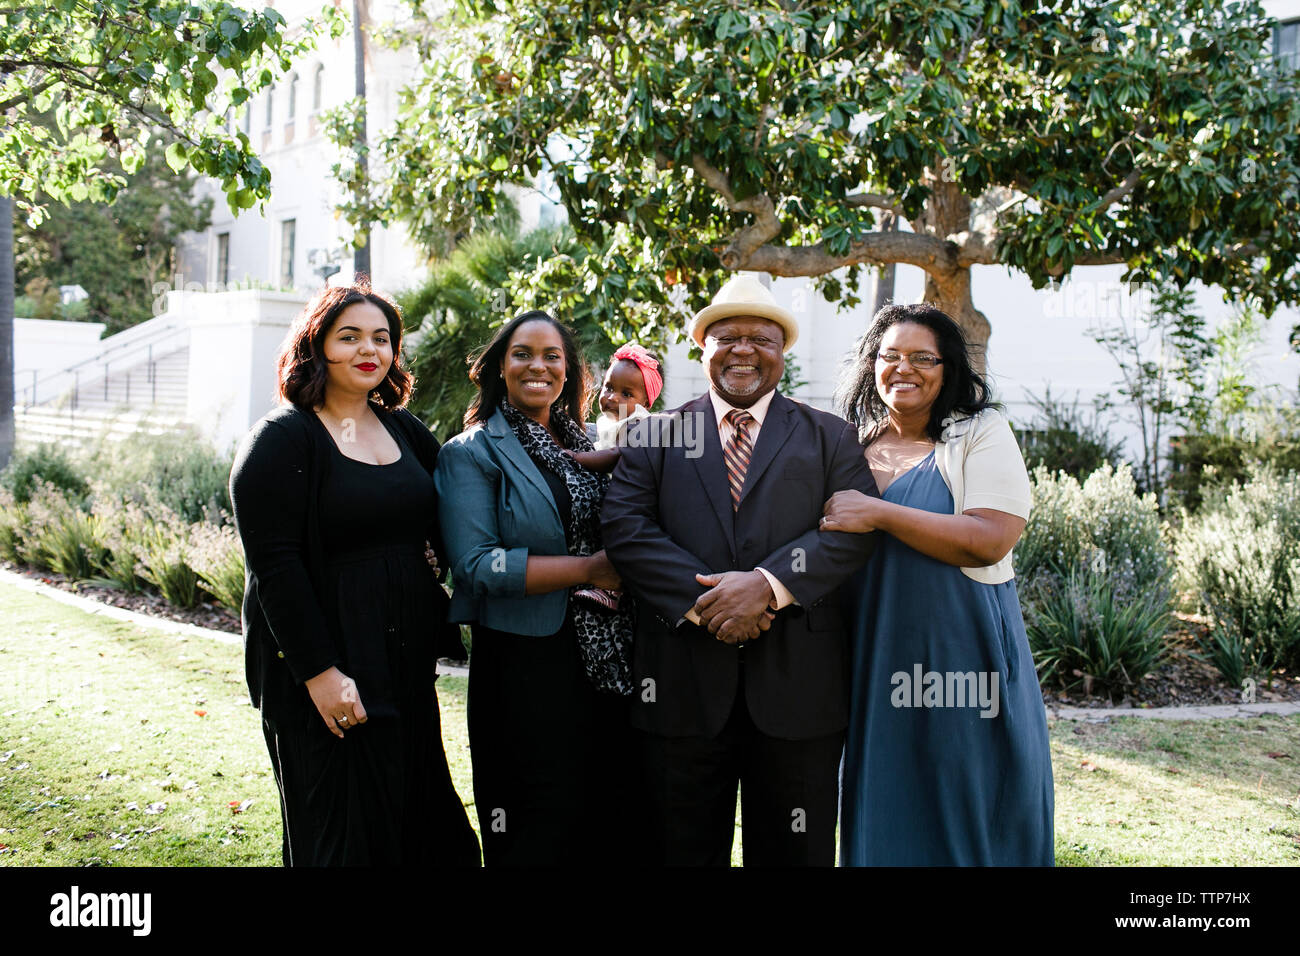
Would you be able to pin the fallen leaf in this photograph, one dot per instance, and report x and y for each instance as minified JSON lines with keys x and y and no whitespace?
{"x":1278,"y":755}
{"x":201,"y":713}
{"x":239,"y":806}
{"x":1088,"y":765}
{"x":155,"y":808}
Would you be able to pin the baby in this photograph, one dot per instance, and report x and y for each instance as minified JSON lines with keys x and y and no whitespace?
{"x":631,"y":385}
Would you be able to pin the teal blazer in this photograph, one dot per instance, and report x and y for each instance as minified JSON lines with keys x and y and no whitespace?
{"x":495,"y":510}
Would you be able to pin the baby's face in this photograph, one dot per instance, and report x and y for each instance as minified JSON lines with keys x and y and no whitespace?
{"x":623,"y":390}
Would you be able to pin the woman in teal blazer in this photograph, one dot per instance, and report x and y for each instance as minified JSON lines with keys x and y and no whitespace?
{"x":551,"y":752}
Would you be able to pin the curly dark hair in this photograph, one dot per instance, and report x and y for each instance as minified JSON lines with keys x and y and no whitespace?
{"x":302,"y":368}
{"x":963,"y":391}
{"x":485,"y":371}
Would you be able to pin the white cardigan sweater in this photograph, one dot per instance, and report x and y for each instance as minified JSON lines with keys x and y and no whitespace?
{"x":981,"y":464}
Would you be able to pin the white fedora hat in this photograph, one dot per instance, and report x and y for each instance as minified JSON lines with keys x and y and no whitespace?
{"x":744,"y":295}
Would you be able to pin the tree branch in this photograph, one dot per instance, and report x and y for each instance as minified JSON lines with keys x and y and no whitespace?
{"x":748,"y":239}
{"x":31,"y":94}
{"x":876,"y":248}
{"x":877,"y":200}
{"x":1119,"y":192}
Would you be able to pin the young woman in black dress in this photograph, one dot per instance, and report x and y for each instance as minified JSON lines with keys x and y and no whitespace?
{"x":335,"y":504}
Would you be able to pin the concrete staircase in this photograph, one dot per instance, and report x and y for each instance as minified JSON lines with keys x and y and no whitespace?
{"x":142,"y":394}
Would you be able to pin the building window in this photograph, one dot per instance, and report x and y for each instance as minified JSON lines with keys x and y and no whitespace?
{"x":293,"y":97}
{"x":223,"y":259}
{"x":288,"y":229}
{"x":248,"y":120}
{"x":318,"y":88}
{"x":1286,"y":46}
{"x":270,"y":101}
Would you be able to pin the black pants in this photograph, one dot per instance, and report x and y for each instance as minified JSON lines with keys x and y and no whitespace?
{"x":789,"y":792}
{"x":554,"y":760}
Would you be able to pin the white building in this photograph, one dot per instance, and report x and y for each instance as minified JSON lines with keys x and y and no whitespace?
{"x":281,"y":245}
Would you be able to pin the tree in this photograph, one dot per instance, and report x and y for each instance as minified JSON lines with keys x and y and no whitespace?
{"x":6,"y":329}
{"x":115,"y":72}
{"x":463,"y":302}
{"x":116,"y":252}
{"x":687,"y":139}
{"x":360,"y":18}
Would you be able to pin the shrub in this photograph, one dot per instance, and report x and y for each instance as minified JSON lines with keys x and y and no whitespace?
{"x":1201,"y":461}
{"x":176,"y":469}
{"x":13,"y":521}
{"x":1084,"y":632}
{"x":1070,"y":521}
{"x":218,"y":559}
{"x":1240,"y":556}
{"x":1094,"y":575}
{"x":119,"y":523}
{"x":60,"y":536}
{"x":1060,"y":438}
{"x":162,"y":550}
{"x":47,"y":463}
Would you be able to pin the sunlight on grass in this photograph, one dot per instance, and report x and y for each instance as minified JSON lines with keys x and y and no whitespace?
{"x":120,"y":746}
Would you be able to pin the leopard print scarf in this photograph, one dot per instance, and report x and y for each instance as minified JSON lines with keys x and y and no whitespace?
{"x":604,"y":636}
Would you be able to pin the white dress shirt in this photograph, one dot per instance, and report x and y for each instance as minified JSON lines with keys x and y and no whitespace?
{"x":725,"y":430}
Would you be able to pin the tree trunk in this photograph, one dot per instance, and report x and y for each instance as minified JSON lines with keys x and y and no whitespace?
{"x":951,"y":293}
{"x":6,"y":330}
{"x":361,"y":254}
{"x":947,"y":285}
{"x":885,"y":274}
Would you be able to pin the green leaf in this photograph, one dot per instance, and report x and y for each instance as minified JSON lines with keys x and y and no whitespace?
{"x":177,"y":157}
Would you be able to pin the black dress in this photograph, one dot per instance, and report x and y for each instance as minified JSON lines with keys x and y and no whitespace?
{"x":383,"y":794}
{"x":554,"y":759}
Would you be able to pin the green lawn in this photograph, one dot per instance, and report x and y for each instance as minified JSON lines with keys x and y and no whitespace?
{"x":106,"y":760}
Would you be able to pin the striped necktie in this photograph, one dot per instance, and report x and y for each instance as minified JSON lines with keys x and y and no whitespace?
{"x":737,"y":453}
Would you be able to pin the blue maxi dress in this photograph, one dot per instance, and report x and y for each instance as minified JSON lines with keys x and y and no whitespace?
{"x":928,"y":780}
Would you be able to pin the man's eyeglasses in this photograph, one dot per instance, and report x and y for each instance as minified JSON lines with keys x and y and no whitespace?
{"x":914,"y":359}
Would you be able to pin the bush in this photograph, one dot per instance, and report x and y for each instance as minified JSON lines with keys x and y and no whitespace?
{"x":178,"y":470}
{"x":1070,"y":521}
{"x":13,"y":521}
{"x":218,"y":559}
{"x":162,"y":550}
{"x":60,"y":536}
{"x":119,"y":523}
{"x":47,"y":463}
{"x":1094,"y":575}
{"x":1060,"y":439}
{"x":1197,"y":462}
{"x":1240,"y":556}
{"x":1083,"y":632}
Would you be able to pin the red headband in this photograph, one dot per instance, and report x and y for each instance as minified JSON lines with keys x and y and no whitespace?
{"x":654,"y":382}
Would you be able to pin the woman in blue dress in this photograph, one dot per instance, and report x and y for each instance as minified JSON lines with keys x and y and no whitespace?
{"x":946,"y":760}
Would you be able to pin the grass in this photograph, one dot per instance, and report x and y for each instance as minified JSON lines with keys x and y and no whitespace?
{"x":105,"y":760}
{"x":1141,"y":792}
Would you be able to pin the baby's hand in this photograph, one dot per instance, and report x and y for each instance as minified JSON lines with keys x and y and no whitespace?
{"x":602,"y":461}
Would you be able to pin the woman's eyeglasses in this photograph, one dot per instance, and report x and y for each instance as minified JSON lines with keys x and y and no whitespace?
{"x":914,"y":359}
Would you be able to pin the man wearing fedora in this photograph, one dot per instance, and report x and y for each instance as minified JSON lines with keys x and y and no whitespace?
{"x":741,"y":649}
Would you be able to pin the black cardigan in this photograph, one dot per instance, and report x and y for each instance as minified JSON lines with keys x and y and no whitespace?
{"x":275,"y":489}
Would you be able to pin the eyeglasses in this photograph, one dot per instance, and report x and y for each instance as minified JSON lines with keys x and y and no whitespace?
{"x":924,"y":360}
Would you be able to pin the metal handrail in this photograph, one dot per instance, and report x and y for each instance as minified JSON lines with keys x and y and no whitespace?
{"x":114,"y":355}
